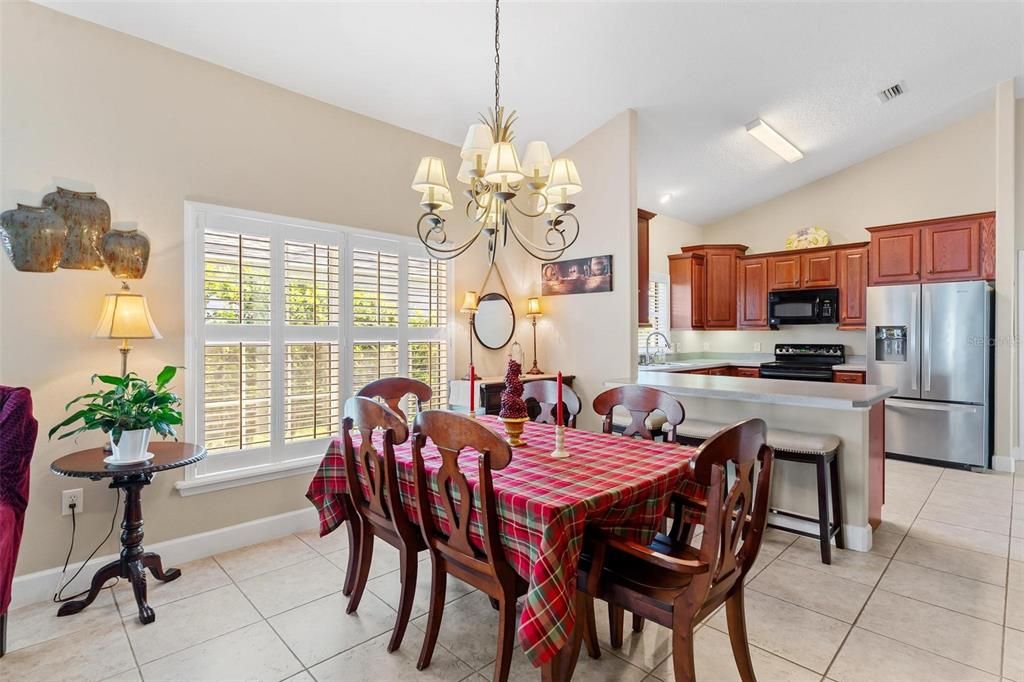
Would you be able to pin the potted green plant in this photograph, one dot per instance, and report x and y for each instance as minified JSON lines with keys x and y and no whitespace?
{"x":128,"y":412}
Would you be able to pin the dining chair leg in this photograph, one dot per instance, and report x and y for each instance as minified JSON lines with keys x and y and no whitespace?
{"x":589,"y":622}
{"x":438,"y":585}
{"x":682,"y":649}
{"x":3,"y":634}
{"x":616,"y":618}
{"x":638,"y":623}
{"x":506,"y":636}
{"x":408,"y":594}
{"x":363,"y":569}
{"x":354,"y":530}
{"x":737,"y":622}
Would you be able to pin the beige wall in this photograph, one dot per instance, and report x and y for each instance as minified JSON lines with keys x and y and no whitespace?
{"x":593,"y":335}
{"x":666,"y":235}
{"x":149,"y":128}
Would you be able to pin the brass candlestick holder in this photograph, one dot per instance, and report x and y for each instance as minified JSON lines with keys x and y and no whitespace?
{"x":559,"y":452}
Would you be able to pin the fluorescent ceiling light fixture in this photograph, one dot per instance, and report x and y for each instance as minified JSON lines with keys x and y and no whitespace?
{"x":770,"y":138}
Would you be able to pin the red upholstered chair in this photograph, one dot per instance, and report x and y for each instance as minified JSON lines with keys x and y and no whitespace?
{"x":18,"y":431}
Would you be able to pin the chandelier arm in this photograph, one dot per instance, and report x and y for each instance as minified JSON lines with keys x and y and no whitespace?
{"x":435,"y":247}
{"x":553,"y":252}
{"x":527,"y":213}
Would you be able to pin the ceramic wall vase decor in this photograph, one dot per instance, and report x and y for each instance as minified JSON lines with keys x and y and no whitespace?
{"x":88,"y":219}
{"x":33,"y":238}
{"x":126,"y":252}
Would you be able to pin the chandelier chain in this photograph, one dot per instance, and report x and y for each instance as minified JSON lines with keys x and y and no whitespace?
{"x":497,"y":55}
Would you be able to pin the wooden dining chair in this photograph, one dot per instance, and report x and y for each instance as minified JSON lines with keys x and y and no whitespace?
{"x":452,"y":549}
{"x":380,"y":512}
{"x":393,"y":389}
{"x":677,"y":585}
{"x":545,"y":394}
{"x":641,"y":402}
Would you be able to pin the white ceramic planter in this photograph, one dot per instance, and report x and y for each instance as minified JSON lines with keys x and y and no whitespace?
{"x":132,"y":447}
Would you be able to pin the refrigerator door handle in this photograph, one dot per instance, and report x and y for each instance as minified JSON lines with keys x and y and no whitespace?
{"x":930,"y":406}
{"x":912,"y":333}
{"x":926,"y":343}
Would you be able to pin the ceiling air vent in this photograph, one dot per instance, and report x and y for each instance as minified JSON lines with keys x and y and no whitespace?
{"x":892,"y":92}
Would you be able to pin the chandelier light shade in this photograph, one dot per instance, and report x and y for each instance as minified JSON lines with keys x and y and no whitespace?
{"x":499,"y":188}
{"x":430,"y":175}
{"x":536,"y":160}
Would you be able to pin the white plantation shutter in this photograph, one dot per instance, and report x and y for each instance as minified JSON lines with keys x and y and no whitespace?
{"x":657,"y":300}
{"x":286,"y":319}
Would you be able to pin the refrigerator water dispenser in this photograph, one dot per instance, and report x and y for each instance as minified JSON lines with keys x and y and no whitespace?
{"x":891,"y":344}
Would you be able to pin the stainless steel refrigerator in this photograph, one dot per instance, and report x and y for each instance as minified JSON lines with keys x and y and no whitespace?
{"x":933,"y":342}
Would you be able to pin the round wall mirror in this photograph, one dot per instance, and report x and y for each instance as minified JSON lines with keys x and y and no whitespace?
{"x":495,"y":321}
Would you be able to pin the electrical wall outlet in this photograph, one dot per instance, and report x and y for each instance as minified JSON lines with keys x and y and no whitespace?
{"x":757,"y":347}
{"x":69,"y":497}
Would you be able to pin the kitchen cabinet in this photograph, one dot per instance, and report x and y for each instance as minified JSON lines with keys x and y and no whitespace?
{"x":720,"y":371}
{"x":702,"y":281}
{"x":852,"y":264}
{"x":784,"y":271}
{"x":951,"y":251}
{"x":848,"y":377}
{"x":748,"y":372}
{"x":643,"y":263}
{"x":954,"y":249}
{"x":752,"y":293}
{"x":818,"y":269}
{"x":686,"y":290}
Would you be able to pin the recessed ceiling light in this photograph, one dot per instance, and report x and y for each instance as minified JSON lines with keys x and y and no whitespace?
{"x":665,"y":198}
{"x":770,"y":138}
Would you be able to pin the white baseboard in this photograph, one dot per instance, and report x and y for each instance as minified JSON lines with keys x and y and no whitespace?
{"x":1003,"y":463}
{"x":39,"y":586}
{"x":858,"y":538}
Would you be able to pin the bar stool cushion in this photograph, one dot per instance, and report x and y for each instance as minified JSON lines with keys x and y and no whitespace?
{"x":803,"y":443}
{"x":698,"y":428}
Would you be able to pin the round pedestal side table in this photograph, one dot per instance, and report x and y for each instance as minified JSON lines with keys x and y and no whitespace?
{"x":131,"y":478}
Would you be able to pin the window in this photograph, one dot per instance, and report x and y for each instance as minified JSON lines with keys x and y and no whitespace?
{"x":286,"y":320}
{"x":657,"y":300}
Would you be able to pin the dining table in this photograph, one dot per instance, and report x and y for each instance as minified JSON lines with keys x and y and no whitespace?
{"x":620,"y":484}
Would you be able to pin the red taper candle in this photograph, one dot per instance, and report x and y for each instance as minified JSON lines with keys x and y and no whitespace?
{"x":558,"y":418}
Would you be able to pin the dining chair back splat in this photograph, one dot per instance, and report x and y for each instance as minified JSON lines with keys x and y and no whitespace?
{"x":678,"y":586}
{"x":393,"y":389}
{"x":545,"y":393}
{"x":379,"y":510}
{"x":640,"y":401}
{"x":449,"y":539}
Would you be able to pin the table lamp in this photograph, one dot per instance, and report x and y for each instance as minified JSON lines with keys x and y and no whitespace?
{"x":533,"y":312}
{"x":125,"y":316}
{"x":470,"y":304}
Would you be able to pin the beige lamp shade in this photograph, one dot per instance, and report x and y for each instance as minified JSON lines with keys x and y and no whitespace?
{"x":564,"y":179}
{"x":125,"y":316}
{"x":537,"y":159}
{"x":470,"y":302}
{"x":533,"y":307}
{"x":465,"y":174}
{"x":503,"y":164}
{"x":430,"y":173}
{"x":437,"y":196}
{"x":478,"y":142}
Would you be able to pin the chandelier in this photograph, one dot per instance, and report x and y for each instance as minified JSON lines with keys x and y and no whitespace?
{"x":499,"y":189}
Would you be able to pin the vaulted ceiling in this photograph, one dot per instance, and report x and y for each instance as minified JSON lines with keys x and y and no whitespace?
{"x":695,"y":72}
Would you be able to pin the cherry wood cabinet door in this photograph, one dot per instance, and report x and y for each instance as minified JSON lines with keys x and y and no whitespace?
{"x":748,"y":372}
{"x":853,"y":282}
{"x":952,"y":251}
{"x":719,"y":371}
{"x":848,"y":377}
{"x":686,"y":285}
{"x":818,"y":269}
{"x":988,"y":247}
{"x":720,"y":283}
{"x":784,"y":272}
{"x":643,"y":261}
{"x":752,"y":293}
{"x":895,"y":256}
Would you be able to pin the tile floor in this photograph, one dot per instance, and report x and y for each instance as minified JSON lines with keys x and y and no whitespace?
{"x":940,"y":598}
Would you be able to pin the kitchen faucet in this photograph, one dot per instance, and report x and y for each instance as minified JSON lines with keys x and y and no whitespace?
{"x":647,"y":349}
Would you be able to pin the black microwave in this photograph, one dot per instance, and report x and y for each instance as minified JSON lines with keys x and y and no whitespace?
{"x":804,"y":306}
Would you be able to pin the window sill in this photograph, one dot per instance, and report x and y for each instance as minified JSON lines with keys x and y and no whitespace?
{"x":248,"y":476}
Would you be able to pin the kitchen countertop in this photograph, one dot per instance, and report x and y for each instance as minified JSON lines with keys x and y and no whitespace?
{"x":855,"y":363}
{"x":776,"y":391}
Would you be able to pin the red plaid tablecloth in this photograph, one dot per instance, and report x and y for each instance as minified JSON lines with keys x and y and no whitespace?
{"x":621,"y":484}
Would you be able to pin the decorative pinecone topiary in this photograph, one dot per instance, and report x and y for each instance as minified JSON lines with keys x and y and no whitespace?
{"x":512,"y":404}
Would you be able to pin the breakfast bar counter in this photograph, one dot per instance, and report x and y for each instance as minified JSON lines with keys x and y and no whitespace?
{"x":853,"y":412}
